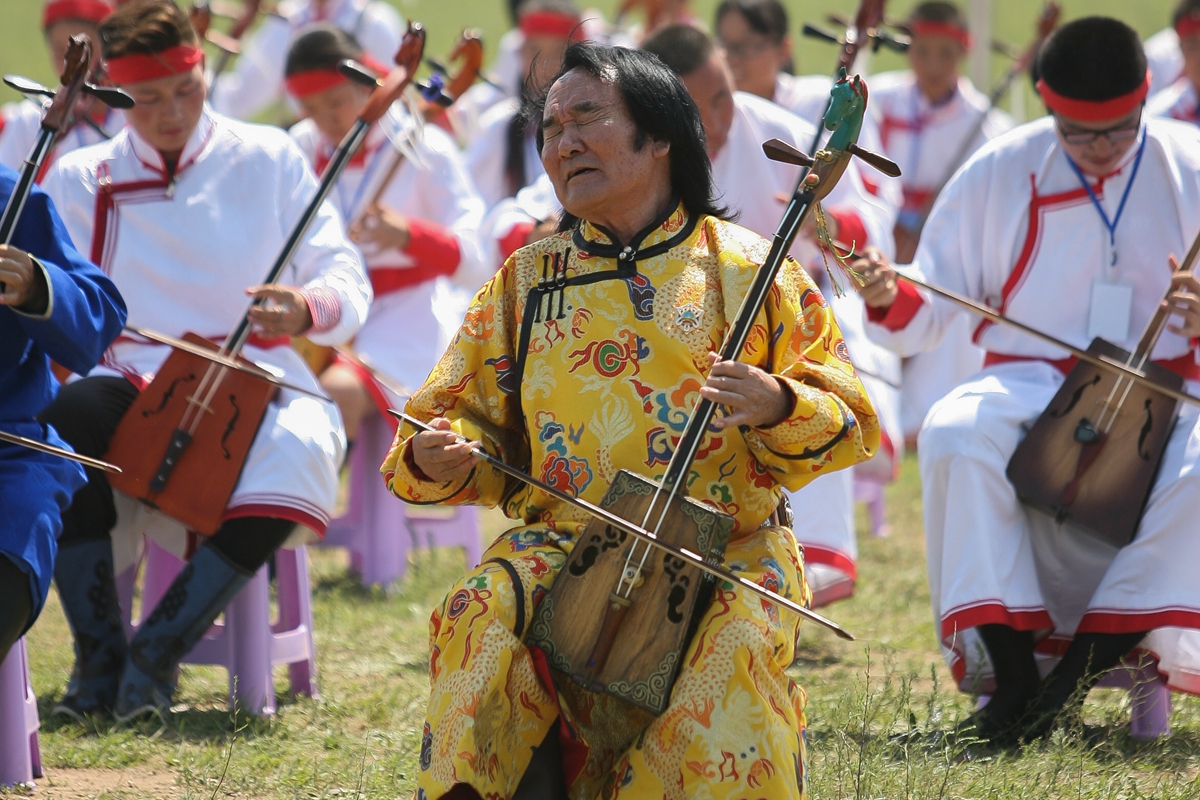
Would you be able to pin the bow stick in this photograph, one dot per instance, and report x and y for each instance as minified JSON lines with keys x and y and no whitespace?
{"x":42,"y":447}
{"x":247,"y":366}
{"x":1102,"y":361}
{"x":634,"y":530}
{"x":392,"y":386}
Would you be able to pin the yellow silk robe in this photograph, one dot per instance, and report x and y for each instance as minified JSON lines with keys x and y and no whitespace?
{"x":602,"y":377}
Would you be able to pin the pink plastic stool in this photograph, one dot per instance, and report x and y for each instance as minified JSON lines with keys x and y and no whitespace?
{"x":1149,"y":699}
{"x":379,"y":530}
{"x":246,"y":643}
{"x":20,"y":756}
{"x":871,"y":493}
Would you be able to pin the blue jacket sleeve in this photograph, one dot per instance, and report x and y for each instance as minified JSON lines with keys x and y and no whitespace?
{"x":86,"y":312}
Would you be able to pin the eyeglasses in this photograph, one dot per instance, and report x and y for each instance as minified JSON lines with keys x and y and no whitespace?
{"x":1118,"y":134}
{"x":737,"y":51}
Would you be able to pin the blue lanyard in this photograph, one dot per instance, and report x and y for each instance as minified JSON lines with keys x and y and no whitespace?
{"x":1112,"y":224}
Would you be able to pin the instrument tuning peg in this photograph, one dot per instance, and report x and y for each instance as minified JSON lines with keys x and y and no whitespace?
{"x":358,"y":73}
{"x":432,"y":91}
{"x":812,"y":31}
{"x":779,"y":150}
{"x":881,"y":163}
{"x":26,"y":86}
{"x":109,"y":95}
{"x":896,"y":42}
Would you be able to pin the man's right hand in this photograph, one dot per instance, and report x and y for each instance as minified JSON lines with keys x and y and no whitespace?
{"x":441,"y":454}
{"x":881,"y":286}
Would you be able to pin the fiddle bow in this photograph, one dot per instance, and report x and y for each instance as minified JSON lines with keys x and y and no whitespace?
{"x":188,"y":468}
{"x":228,"y":43}
{"x":56,"y":119}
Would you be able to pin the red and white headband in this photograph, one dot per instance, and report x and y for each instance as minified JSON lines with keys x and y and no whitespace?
{"x":312,"y":81}
{"x":86,"y":10}
{"x":551,"y":23}
{"x":1093,"y":110}
{"x":928,"y":28}
{"x":139,"y":67}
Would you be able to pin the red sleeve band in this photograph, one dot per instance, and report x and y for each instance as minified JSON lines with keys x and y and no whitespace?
{"x":896,"y":316}
{"x":851,"y":231}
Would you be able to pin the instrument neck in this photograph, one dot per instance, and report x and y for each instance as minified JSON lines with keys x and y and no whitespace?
{"x":1158,"y":322}
{"x":24,"y":185}
{"x":739,"y":332}
{"x":329,"y":178}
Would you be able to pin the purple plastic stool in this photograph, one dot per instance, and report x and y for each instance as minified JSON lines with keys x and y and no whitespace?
{"x":379,"y":530}
{"x":871,"y":493}
{"x":20,"y":756}
{"x":246,"y":643}
{"x":1149,"y":699}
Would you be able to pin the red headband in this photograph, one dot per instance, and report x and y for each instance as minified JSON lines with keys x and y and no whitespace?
{"x":86,"y":10}
{"x":1093,"y":110}
{"x":551,"y":23}
{"x":927,"y":28}
{"x":1187,"y":25}
{"x":140,"y":67}
{"x":311,"y":81}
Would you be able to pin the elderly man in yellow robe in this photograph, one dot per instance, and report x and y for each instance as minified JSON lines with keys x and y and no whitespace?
{"x":584,"y":355}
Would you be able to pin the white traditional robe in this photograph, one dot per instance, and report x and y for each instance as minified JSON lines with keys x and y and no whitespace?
{"x":1177,"y":101}
{"x":256,"y":79}
{"x":417,"y":307}
{"x":23,"y":122}
{"x":925,"y":140}
{"x":183,"y":252}
{"x":1016,"y":230}
{"x":1164,"y":59}
{"x":486,"y":156}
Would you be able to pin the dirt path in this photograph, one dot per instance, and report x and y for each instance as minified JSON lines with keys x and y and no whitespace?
{"x":129,"y":783}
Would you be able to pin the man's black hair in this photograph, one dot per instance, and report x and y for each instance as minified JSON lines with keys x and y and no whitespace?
{"x":1186,"y":8}
{"x":683,"y":48}
{"x":939,"y":11}
{"x":765,"y":17}
{"x":661,"y":110}
{"x":1093,"y":58}
{"x":320,"y":46}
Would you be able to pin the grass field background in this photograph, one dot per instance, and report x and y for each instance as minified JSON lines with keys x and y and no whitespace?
{"x":360,"y":737}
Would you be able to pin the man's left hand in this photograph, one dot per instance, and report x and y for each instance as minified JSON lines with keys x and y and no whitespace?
{"x":382,"y":228}
{"x":753,"y":397}
{"x":24,"y":284}
{"x":1184,"y":301}
{"x":283,"y":312}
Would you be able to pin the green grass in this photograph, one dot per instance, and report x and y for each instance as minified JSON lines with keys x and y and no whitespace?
{"x":360,"y":737}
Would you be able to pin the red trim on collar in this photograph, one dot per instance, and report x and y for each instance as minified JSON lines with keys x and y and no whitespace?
{"x":86,"y":10}
{"x":1093,"y":110}
{"x":141,"y":67}
{"x":927,"y":28}
{"x":551,"y":23}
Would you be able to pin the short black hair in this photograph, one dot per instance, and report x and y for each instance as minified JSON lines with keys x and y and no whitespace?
{"x":1186,"y":8}
{"x":766,"y":17}
{"x":683,"y":48}
{"x":320,"y":46}
{"x":1093,"y":58}
{"x":939,"y":11}
{"x":145,"y":27}
{"x":661,"y":110}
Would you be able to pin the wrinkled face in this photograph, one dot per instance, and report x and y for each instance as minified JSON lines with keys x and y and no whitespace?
{"x":934,"y":60}
{"x":591,"y":150}
{"x":1098,"y":155}
{"x":168,"y":109}
{"x":711,"y":87}
{"x":335,"y":109}
{"x":1190,"y":47}
{"x":754,"y":59}
{"x":544,"y":55}
{"x":58,"y":36}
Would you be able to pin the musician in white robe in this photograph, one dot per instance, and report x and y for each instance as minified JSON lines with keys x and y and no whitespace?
{"x":186,"y":210}
{"x":256,"y":79}
{"x":1181,"y":100}
{"x":503,"y":158}
{"x":929,"y":119}
{"x":1065,"y":224}
{"x":412,"y":210}
{"x":757,"y":189}
{"x":61,"y":19}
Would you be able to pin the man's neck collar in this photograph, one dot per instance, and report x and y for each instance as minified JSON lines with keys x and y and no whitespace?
{"x":667,"y":230}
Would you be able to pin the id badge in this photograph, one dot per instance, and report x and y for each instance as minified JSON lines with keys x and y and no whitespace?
{"x":1111,"y":309}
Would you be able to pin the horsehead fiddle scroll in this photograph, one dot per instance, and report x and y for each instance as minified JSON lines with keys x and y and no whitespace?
{"x":56,"y":120}
{"x":622,"y":610}
{"x":183,"y":442}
